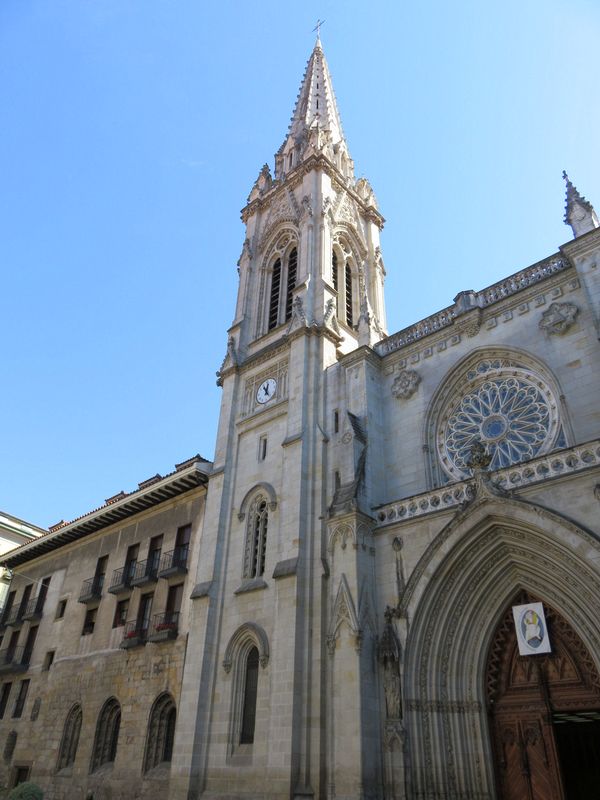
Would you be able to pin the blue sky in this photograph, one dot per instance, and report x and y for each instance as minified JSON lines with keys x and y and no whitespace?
{"x":132,"y":131}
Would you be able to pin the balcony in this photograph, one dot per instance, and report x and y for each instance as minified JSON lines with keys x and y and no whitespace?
{"x":34,"y":608}
{"x":121,"y":579}
{"x":14,"y":659}
{"x":164,"y":627}
{"x":91,"y":589}
{"x":174,"y":562}
{"x":145,"y":572}
{"x":14,"y":616}
{"x":134,"y":635}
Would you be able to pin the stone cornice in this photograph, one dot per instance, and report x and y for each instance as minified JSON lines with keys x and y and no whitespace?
{"x":503,"y":299}
{"x":555,"y":465}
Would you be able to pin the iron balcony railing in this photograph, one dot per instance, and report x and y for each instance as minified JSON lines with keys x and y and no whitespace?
{"x":164,"y":626}
{"x":91,"y":589}
{"x":14,"y":658}
{"x":134,"y":633}
{"x":173,"y":562}
{"x":15,"y":615}
{"x":34,"y":607}
{"x":145,"y":571}
{"x":121,"y":578}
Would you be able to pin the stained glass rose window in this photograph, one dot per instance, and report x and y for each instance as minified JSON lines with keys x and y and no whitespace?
{"x":509,"y":410}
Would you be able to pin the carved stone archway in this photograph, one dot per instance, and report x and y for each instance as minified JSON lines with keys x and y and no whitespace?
{"x":532,"y":701}
{"x":454,"y":599}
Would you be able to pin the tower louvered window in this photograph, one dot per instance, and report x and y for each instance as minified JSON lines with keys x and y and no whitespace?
{"x":291,"y":281}
{"x":275,"y":289}
{"x":342,"y":280}
{"x":256,"y":538}
{"x":348,"y":293}
{"x":284,"y":273}
{"x":250,"y":692}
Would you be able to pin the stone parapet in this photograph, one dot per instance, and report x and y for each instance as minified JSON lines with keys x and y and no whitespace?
{"x":552,"y":465}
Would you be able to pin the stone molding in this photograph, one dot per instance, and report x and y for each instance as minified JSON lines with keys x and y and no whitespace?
{"x":492,"y":295}
{"x":258,"y":488}
{"x":468,"y":577}
{"x":553,"y":465}
{"x":248,"y":633}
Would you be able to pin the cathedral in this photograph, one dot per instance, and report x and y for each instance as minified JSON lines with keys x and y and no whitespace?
{"x":384,"y":585}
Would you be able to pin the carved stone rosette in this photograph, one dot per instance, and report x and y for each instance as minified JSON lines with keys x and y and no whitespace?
{"x":558,"y":318}
{"x":406,"y":384}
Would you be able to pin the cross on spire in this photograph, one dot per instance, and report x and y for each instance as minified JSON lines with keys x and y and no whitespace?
{"x":317,"y":27}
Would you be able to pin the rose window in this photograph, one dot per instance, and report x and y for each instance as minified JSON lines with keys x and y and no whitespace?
{"x":509,"y":410}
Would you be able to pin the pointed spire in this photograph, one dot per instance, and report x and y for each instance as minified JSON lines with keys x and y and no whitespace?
{"x":315,"y":125}
{"x":579,"y":212}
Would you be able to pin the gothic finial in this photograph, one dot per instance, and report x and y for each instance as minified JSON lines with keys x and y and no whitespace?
{"x":579,"y":212}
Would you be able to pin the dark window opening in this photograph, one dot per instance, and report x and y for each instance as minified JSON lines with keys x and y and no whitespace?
{"x":89,"y":622}
{"x":60,"y":609}
{"x":4,"y":695}
{"x":48,"y":660}
{"x":161,"y":732}
{"x":21,"y":698}
{"x":107,"y":735}
{"x":70,"y":738}
{"x":121,"y":610}
{"x":291,"y":282}
{"x":274,"y":302}
{"x":250,"y":692}
{"x":348,"y":278}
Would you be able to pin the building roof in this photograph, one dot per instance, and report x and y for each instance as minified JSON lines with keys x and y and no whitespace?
{"x":188,"y":475}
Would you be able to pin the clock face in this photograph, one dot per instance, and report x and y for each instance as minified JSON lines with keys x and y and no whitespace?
{"x":266,"y":391}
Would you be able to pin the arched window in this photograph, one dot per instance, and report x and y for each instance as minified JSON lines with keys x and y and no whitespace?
{"x":107,"y":734}
{"x":348,"y":293}
{"x":291,"y":282}
{"x":249,"y":702}
{"x":283,"y":282}
{"x":256,"y":538}
{"x":342,"y":279}
{"x":70,"y":738}
{"x":246,"y":651}
{"x":275,"y":289}
{"x":161,"y":732}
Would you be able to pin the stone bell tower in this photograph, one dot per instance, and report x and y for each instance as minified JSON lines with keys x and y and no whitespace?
{"x":310,"y":290}
{"x":315,"y":209}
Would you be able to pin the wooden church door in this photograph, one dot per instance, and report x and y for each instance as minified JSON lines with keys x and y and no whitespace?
{"x":538,"y":706}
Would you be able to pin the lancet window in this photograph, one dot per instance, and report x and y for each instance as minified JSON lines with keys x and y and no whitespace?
{"x":249,"y":702}
{"x":70,"y":738}
{"x":256,"y":537}
{"x":161,"y":732}
{"x":342,"y":276}
{"x":107,"y":734}
{"x":283,"y":282}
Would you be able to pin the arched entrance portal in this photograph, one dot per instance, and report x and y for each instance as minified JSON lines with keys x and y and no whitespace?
{"x":544,"y":715}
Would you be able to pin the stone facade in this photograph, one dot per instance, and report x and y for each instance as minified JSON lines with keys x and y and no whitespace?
{"x":375,"y":506}
{"x":84,"y":652}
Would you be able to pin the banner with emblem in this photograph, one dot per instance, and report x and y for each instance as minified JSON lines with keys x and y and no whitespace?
{"x":532,"y":633}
